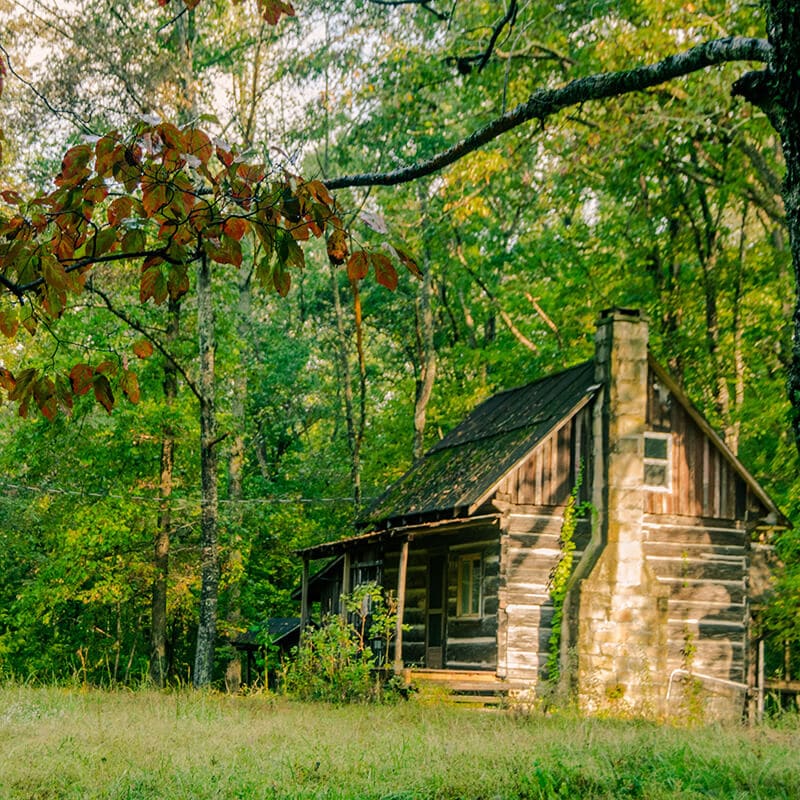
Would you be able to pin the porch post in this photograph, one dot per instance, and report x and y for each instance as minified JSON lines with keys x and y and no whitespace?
{"x":345,"y":583}
{"x":304,"y":596}
{"x":401,"y":603}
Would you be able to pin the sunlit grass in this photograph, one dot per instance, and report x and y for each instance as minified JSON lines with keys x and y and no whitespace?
{"x":67,"y":743}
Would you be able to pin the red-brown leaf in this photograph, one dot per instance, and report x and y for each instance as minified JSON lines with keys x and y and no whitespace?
{"x":102,"y":392}
{"x":155,"y":196}
{"x":142,"y":348}
{"x":408,"y":262}
{"x":385,"y":273}
{"x":281,"y":279}
{"x":272,"y":10}
{"x":152,"y":282}
{"x":320,"y":192}
{"x":119,"y":210}
{"x":337,"y":246}
{"x":358,"y":265}
{"x":9,"y":322}
{"x":198,"y":144}
{"x":74,"y":166}
{"x":64,"y":393}
{"x":44,"y":393}
{"x":236,"y":227}
{"x":81,"y":376}
{"x":129,"y":384}
{"x":7,"y":380}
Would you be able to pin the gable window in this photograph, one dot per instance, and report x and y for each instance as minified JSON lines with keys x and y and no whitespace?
{"x":470,"y":572}
{"x":658,"y":461}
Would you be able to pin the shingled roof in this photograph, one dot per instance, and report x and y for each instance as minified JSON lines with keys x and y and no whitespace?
{"x":459,"y":471}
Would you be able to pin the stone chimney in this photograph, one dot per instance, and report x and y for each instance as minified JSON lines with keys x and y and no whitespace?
{"x":621,"y":643}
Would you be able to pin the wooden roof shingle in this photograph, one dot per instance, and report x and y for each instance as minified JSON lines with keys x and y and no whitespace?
{"x":458,"y":471}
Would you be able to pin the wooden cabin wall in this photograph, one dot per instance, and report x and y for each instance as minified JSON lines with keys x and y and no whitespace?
{"x":697,"y":542}
{"x":705,"y":564}
{"x":533,"y":498}
{"x":531,"y":549}
{"x":704,"y":483}
{"x":469,"y":643}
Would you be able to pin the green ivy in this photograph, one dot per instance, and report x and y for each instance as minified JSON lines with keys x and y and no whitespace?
{"x":559,"y":578}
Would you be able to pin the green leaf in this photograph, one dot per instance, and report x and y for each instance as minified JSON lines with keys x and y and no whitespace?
{"x":23,"y":385}
{"x":177,"y":281}
{"x":282,"y":279}
{"x":134,"y":241}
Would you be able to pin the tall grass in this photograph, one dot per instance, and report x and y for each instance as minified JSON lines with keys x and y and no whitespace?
{"x":68,"y":743}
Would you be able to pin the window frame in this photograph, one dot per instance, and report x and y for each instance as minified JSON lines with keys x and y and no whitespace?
{"x":475,"y":562}
{"x":665,"y":462}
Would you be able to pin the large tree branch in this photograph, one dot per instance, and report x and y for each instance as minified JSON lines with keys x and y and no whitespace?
{"x":421,"y":3}
{"x":543,"y":103}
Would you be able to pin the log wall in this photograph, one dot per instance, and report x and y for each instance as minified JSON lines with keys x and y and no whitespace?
{"x":533,"y":499}
{"x":704,"y":563}
{"x":697,"y":542}
{"x":469,"y":643}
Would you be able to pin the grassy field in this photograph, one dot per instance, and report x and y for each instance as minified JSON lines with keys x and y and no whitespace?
{"x":68,"y":743}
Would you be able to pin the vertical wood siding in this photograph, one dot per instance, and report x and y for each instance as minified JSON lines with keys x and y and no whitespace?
{"x":704,"y":483}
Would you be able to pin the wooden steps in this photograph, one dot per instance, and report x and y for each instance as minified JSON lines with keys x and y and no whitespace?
{"x":479,"y":687}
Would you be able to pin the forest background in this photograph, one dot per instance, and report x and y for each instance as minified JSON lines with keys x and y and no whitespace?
{"x":326,"y":388}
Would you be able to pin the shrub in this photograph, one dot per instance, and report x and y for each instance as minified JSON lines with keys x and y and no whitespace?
{"x":330,"y":665}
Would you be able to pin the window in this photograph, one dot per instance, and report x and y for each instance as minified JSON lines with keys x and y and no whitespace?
{"x":658,"y":461}
{"x":469,"y":586}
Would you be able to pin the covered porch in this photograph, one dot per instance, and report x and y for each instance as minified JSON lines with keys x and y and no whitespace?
{"x":445,"y":576}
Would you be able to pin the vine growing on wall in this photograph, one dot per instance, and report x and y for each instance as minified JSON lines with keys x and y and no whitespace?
{"x":559,"y":577}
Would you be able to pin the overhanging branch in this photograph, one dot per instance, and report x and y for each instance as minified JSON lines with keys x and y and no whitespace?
{"x":543,"y":103}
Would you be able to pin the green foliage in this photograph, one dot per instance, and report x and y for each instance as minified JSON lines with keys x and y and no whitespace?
{"x":342,"y":661}
{"x":559,"y":578}
{"x":331,"y":665}
{"x":374,"y":612}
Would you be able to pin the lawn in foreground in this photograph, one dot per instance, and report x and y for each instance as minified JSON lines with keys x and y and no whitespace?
{"x":67,"y":743}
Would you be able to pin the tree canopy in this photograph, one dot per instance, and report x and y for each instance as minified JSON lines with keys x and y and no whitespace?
{"x":544,"y":161}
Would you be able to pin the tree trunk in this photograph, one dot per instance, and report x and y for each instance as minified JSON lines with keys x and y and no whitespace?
{"x":233,"y":672}
{"x":209,"y":548}
{"x":783,"y":28}
{"x":424,"y":330}
{"x":426,"y":358}
{"x":158,"y":628}
{"x":355,"y":423}
{"x":776,"y":91}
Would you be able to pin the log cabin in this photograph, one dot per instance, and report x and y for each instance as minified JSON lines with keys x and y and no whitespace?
{"x":656,"y":608}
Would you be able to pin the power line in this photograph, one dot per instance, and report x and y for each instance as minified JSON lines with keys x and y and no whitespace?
{"x":176,"y":502}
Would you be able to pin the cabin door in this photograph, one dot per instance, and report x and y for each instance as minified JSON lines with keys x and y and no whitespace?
{"x":436,"y":611}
